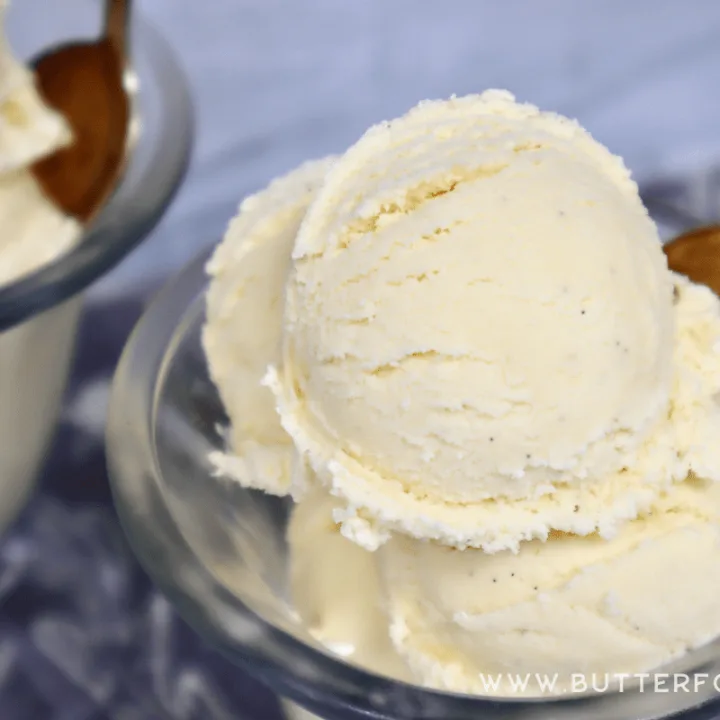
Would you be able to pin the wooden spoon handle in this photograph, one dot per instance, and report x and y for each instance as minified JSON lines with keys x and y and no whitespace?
{"x":117,"y":21}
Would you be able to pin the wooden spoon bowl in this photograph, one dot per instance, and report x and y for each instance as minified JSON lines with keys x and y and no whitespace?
{"x":84,"y":82}
{"x":696,"y":254}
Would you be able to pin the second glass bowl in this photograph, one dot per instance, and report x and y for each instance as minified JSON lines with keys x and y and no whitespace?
{"x":219,"y":552}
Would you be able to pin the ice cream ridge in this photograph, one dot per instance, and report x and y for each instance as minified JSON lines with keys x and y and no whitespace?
{"x":458,"y":347}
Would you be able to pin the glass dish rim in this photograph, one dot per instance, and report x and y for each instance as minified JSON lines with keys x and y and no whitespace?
{"x":109,"y":238}
{"x":213,"y":610}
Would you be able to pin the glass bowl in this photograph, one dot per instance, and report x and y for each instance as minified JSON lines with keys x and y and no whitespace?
{"x":39,"y":313}
{"x":219,"y":553}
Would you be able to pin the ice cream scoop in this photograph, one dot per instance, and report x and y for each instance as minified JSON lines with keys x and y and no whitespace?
{"x":243,"y":331}
{"x":568,"y":605}
{"x":478,"y":342}
{"x":86,"y":84}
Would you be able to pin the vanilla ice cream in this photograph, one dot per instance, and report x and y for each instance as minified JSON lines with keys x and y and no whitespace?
{"x":244,"y":324}
{"x":566,"y":606}
{"x":34,"y":231}
{"x":495,"y":406}
{"x":467,"y":621}
{"x":336,"y":588}
{"x":29,"y":130}
{"x":478,"y":332}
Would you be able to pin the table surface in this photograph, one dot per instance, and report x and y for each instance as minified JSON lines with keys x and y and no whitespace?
{"x":83,"y":636}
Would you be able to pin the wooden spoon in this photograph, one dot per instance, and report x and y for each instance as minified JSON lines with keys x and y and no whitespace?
{"x":696,"y":253}
{"x":85,"y":82}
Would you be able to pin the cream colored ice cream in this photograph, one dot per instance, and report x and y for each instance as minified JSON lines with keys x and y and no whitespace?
{"x":29,"y":130}
{"x":468,"y":621}
{"x":244,"y":324}
{"x":34,"y":231}
{"x":336,"y":588}
{"x":570,"y":605}
{"x":478,"y":333}
{"x":430,"y":342}
{"x":334,"y":582}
